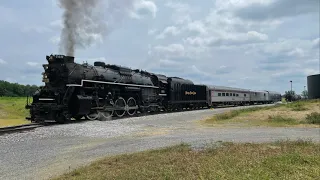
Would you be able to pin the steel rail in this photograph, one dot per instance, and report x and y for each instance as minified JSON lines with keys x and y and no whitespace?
{"x":19,"y":128}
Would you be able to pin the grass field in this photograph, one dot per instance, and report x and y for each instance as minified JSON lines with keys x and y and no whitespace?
{"x":279,"y":160}
{"x":302,"y":113}
{"x":12,"y":111}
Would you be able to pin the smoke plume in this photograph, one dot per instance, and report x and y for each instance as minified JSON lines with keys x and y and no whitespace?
{"x":83,"y":24}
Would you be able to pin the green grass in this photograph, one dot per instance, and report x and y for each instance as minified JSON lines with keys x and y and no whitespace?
{"x":313,"y":118}
{"x":278,"y":160}
{"x":283,"y":100}
{"x":291,"y":114}
{"x":12,"y":111}
{"x":280,"y":120}
{"x":235,"y":113}
{"x":298,"y":106}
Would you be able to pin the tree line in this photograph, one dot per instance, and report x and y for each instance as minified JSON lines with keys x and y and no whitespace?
{"x":292,"y":96}
{"x":16,"y":90}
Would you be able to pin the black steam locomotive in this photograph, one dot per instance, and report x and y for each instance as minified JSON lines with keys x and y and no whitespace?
{"x":101,"y":91}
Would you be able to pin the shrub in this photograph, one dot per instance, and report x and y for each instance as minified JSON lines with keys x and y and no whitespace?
{"x":313,"y":118}
{"x":280,"y":119}
{"x":299,"y":106}
{"x":227,"y":115}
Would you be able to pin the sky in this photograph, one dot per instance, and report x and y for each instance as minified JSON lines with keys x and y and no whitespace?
{"x":252,"y":44}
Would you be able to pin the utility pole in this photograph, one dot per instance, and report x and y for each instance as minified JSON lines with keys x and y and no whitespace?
{"x":291,"y":93}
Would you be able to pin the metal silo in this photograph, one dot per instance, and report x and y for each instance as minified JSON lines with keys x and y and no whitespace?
{"x":314,"y":86}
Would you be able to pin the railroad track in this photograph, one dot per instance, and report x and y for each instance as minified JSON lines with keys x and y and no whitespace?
{"x":19,"y":128}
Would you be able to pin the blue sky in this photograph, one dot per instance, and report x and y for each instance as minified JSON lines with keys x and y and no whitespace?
{"x":252,"y":44}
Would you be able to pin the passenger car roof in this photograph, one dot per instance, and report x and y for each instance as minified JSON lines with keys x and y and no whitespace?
{"x":213,"y":87}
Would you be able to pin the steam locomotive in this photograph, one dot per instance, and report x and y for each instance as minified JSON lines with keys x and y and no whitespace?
{"x":74,"y":90}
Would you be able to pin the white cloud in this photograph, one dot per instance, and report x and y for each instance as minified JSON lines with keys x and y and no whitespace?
{"x":198,"y":41}
{"x":55,"y":40}
{"x":140,"y":5}
{"x":152,"y":31}
{"x":33,"y":64}
{"x":223,"y":70}
{"x":3,"y":61}
{"x":36,"y":28}
{"x":313,"y":61}
{"x":196,"y":70}
{"x":171,"y":30}
{"x":171,"y":50}
{"x":291,"y":72}
{"x":273,"y":9}
{"x":297,"y":52}
{"x":7,"y":15}
{"x":238,"y":4}
{"x":167,"y":62}
{"x":197,"y":26}
{"x":292,"y":47}
{"x":316,"y":43}
{"x":309,"y":71}
{"x":182,"y":12}
{"x":12,"y":80}
{"x":57,"y":23}
{"x":257,"y":35}
{"x":225,"y":38}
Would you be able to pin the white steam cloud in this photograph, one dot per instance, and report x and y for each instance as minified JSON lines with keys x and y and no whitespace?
{"x":82,"y":24}
{"x":88,"y":21}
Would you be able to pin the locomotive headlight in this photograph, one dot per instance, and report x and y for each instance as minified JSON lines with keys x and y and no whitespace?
{"x":45,"y":80}
{"x":45,"y":66}
{"x":44,"y":75}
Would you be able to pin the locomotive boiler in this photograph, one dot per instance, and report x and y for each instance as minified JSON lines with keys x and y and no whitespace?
{"x":74,"y":90}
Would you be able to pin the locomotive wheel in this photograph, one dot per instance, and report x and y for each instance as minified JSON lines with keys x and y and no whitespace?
{"x":93,"y":116}
{"x":131,"y":104}
{"x":107,"y":112}
{"x":120,"y":103}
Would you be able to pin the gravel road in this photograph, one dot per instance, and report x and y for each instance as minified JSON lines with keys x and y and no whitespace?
{"x":49,"y":151}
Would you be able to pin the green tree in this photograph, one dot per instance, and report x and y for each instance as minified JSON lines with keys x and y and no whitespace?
{"x":15,"y":89}
{"x":289,"y":96}
{"x":305,"y":94}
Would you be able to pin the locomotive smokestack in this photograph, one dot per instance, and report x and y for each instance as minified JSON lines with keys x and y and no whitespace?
{"x":82,"y":24}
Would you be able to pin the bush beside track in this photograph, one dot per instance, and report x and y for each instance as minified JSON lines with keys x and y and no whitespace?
{"x":12,"y":111}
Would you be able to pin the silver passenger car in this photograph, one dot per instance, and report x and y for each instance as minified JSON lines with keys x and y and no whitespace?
{"x":222,"y":95}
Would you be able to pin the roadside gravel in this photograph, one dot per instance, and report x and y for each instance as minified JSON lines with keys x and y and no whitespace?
{"x":50,"y":151}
